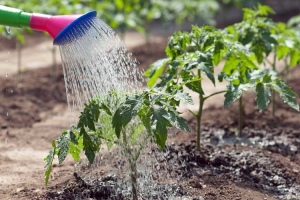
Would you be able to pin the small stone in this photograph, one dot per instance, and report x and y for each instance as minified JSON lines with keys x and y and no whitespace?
{"x":21,"y":189}
{"x":293,"y":148}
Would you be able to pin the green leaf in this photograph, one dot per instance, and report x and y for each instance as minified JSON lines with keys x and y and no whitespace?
{"x":75,"y":151}
{"x":63,"y":146}
{"x":262,"y":97}
{"x":265,"y":10}
{"x":178,"y":121}
{"x":208,"y":70}
{"x":155,"y":70}
{"x":90,"y":146}
{"x":91,"y":124}
{"x":234,"y":92}
{"x":125,"y":113}
{"x":144,"y":116}
{"x":231,"y":64}
{"x":286,"y":93}
{"x":159,"y":124}
{"x":73,"y":137}
{"x":95,"y":111}
{"x":106,"y":109}
{"x":183,"y":97}
{"x":218,"y":52}
{"x":295,"y":58}
{"x":117,"y":122}
{"x":282,"y":51}
{"x":268,"y":39}
{"x":49,"y":160}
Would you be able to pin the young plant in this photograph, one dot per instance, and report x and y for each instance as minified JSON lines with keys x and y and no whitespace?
{"x":263,"y":37}
{"x":118,"y":121}
{"x":190,"y":55}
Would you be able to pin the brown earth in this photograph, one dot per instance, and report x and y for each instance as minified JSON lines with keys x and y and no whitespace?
{"x":230,"y":166}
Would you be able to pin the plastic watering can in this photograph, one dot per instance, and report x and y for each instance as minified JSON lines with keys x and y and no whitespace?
{"x":56,"y":26}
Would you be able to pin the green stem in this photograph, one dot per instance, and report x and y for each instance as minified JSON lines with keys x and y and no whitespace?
{"x":287,"y":71}
{"x":213,"y":94}
{"x":199,"y":115}
{"x":141,"y":147}
{"x":273,"y":91}
{"x":241,"y":114}
{"x":132,"y":165}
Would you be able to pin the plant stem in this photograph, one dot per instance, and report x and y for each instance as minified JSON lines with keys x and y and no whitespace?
{"x":132,"y":165}
{"x":273,"y":91}
{"x":287,"y":71}
{"x":199,"y":115}
{"x":241,"y":114}
{"x":213,"y":94}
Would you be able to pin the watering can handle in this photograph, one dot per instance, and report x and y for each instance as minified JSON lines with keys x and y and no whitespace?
{"x":14,"y":17}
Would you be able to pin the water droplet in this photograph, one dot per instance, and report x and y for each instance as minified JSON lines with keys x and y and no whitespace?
{"x":6,"y":141}
{"x":11,"y":91}
{"x":8,"y":29}
{"x":6,"y":75}
{"x":7,"y":114}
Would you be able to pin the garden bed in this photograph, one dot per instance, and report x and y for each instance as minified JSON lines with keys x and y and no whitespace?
{"x":262,"y":163}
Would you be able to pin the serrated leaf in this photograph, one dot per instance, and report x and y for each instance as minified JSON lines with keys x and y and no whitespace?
{"x":218,"y":52}
{"x":231,"y":65}
{"x":117,"y":122}
{"x":258,"y":50}
{"x":232,"y":94}
{"x":125,"y":113}
{"x":286,"y":93}
{"x":63,"y":146}
{"x":262,"y":96}
{"x":144,"y":116}
{"x":195,"y":86}
{"x":90,"y":146}
{"x":178,"y":121}
{"x":155,"y":70}
{"x":208,"y":70}
{"x":183,"y":97}
{"x":75,"y":151}
{"x":73,"y":137}
{"x":268,"y":39}
{"x":49,"y":160}
{"x":295,"y":58}
{"x":95,"y":111}
{"x":91,"y":124}
{"x":106,"y":109}
{"x":159,"y":124}
{"x":282,"y":51}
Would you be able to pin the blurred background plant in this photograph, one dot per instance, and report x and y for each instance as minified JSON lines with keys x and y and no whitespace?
{"x":134,"y":15}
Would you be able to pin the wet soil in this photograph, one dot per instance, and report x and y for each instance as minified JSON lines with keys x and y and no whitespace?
{"x":25,"y":96}
{"x":263,"y":162}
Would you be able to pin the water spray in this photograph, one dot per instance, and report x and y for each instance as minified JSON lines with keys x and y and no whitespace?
{"x":57,"y":26}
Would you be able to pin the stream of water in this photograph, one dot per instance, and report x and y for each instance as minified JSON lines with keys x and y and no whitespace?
{"x":95,"y":63}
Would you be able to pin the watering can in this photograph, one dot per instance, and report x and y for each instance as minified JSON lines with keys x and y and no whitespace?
{"x":56,"y":26}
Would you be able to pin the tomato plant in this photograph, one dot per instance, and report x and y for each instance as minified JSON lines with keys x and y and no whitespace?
{"x":119,"y":120}
{"x":189,"y":55}
{"x":243,"y":47}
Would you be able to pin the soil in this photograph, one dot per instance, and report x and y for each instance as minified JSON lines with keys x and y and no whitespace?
{"x":263,"y":162}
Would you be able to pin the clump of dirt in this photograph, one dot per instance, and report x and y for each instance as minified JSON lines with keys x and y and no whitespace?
{"x":25,"y":96}
{"x":209,"y":174}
